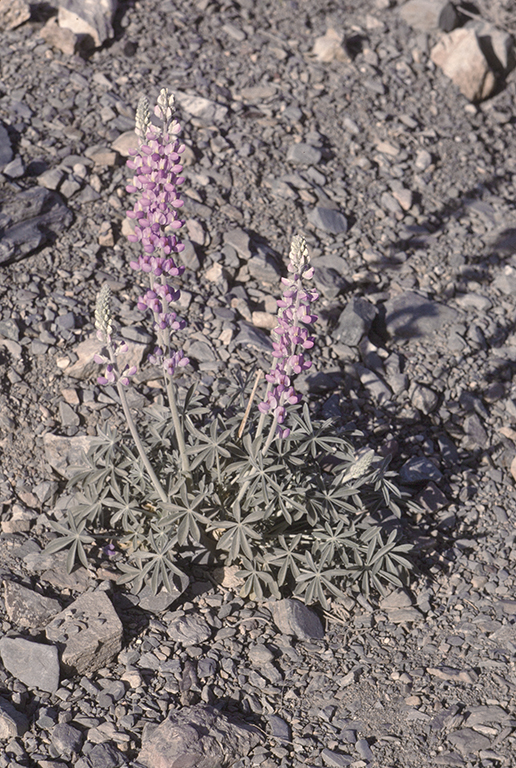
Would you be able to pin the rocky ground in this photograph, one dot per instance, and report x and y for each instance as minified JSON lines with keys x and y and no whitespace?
{"x":404,"y":189}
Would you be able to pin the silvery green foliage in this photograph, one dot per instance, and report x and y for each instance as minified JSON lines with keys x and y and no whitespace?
{"x":309,"y":518}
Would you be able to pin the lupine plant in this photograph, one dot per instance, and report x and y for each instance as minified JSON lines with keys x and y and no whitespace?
{"x":254,"y":481}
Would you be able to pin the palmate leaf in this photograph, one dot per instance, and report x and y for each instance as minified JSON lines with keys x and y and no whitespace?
{"x":287,"y":558}
{"x":74,"y":537}
{"x":210,"y":447}
{"x":239,"y":533}
{"x":155,"y":567}
{"x":315,"y":579}
{"x":331,"y":539}
{"x":312,"y":438}
{"x":189,"y":512}
{"x":256,"y":578}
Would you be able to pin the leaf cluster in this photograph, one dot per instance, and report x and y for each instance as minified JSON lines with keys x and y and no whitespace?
{"x":309,"y":517}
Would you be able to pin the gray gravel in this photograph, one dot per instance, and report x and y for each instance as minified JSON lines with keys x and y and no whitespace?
{"x":405,"y":192}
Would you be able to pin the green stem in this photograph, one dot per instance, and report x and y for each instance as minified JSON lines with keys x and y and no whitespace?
{"x":134,"y":433}
{"x":185,"y":464}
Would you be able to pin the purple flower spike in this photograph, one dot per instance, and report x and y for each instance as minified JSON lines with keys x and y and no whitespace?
{"x":291,"y":334}
{"x":157,"y":165}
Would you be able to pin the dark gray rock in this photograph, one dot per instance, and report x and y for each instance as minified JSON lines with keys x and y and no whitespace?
{"x":27,"y":608}
{"x":34,"y":664}
{"x":293,"y":617}
{"x":199,"y":736}
{"x":329,"y":282}
{"x":424,"y":399}
{"x":303,"y":154}
{"x":264,"y":269}
{"x":418,"y":470}
{"x":6,"y":152}
{"x":28,"y":220}
{"x":410,"y":315}
{"x":66,"y":739}
{"x":475,"y":434}
{"x":189,"y":630}
{"x":335,"y":759}
{"x":105,"y":756}
{"x":329,"y":220}
{"x":355,"y":321}
{"x":201,"y":351}
{"x":468,"y":741}
{"x":253,"y":337}
{"x":279,"y":728}
{"x":12,"y":722}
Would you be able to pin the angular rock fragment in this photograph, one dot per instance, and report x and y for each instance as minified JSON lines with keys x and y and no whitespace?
{"x":329,"y":47}
{"x":13,"y":13}
{"x":462,"y":59}
{"x":410,"y":315}
{"x":88,"y":632}
{"x":65,"y":453}
{"x":6,"y":152}
{"x":27,"y":608}
{"x":91,"y":20}
{"x":28,"y":220}
{"x":12,"y":722}
{"x":204,"y":109}
{"x":427,"y":15}
{"x":355,"y":321}
{"x":329,"y":220}
{"x":34,"y":664}
{"x":199,"y":736}
{"x":59,"y":37}
{"x":86,"y":367}
{"x":292,"y":617}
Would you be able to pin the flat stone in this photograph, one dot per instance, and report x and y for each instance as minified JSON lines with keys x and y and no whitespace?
{"x":199,"y":736}
{"x":419,"y":469}
{"x":197,"y":106}
{"x":27,"y":608}
{"x":428,"y":15}
{"x":34,"y":664}
{"x":424,"y":399}
{"x":279,"y":728}
{"x":475,"y":433}
{"x":88,"y":632}
{"x":292,"y":617}
{"x":13,"y":13}
{"x":86,"y":367}
{"x":66,"y":739}
{"x":126,"y":142}
{"x":6,"y":152}
{"x":12,"y":722}
{"x":329,"y":220}
{"x":405,"y":615}
{"x":303,"y":154}
{"x":355,"y":321}
{"x":468,"y":741}
{"x":400,"y":598}
{"x":486,"y":714}
{"x":28,"y":219}
{"x":451,"y":674}
{"x":91,"y":19}
{"x":462,"y":59}
{"x":410,"y":315}
{"x":201,"y":351}
{"x":65,"y":453}
{"x":253,"y":337}
{"x":335,"y":759}
{"x":264,"y":269}
{"x":240,"y":241}
{"x":189,"y":630}
{"x":58,"y":37}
